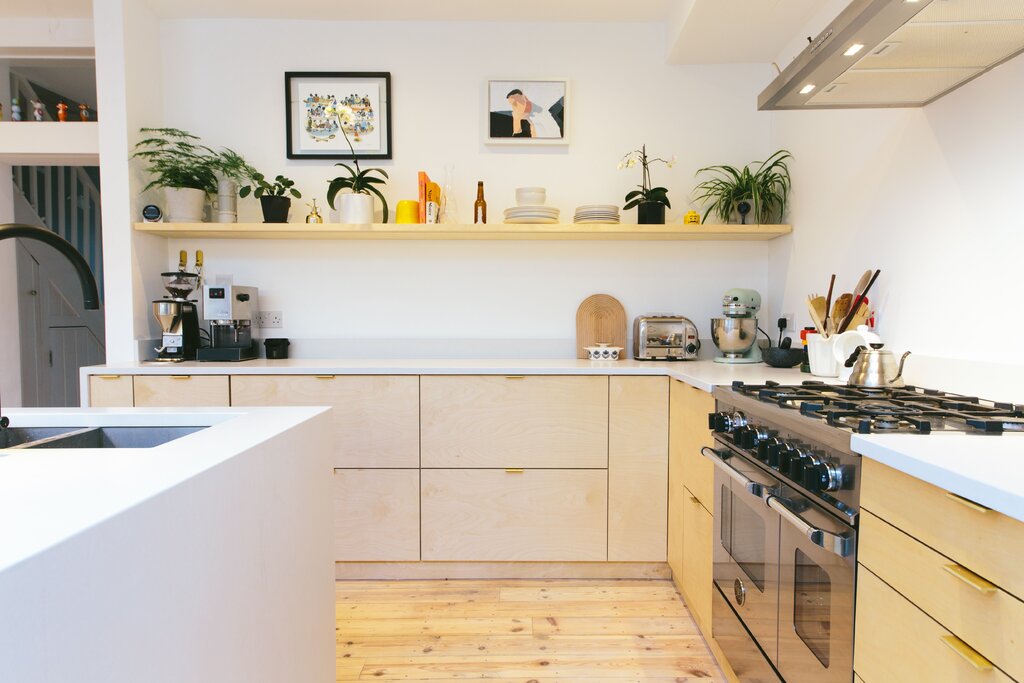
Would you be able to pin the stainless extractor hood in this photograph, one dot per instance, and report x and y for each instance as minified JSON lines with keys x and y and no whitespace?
{"x":912,"y":52}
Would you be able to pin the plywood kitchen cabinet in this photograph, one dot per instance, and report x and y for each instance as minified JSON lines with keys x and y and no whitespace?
{"x":698,"y":539}
{"x":182,"y":391}
{"x":637,"y":469}
{"x":111,"y":391}
{"x":375,"y":417}
{"x":532,"y":421}
{"x":376,"y":515}
{"x":940,"y":581}
{"x":552,"y":515}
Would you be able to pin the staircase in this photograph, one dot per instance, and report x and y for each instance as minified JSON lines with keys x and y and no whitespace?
{"x":65,"y":199}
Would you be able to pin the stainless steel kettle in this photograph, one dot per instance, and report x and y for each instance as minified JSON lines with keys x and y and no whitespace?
{"x":875,"y":367}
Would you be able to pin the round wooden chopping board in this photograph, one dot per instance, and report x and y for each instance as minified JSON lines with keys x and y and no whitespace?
{"x":600,"y":319}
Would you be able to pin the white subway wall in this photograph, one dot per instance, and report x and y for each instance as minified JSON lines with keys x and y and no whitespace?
{"x":622,"y":95}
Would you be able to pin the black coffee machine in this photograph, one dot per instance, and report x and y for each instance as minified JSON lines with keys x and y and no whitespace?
{"x":177,"y":314}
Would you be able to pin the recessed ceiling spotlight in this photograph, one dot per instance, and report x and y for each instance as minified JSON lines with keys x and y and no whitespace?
{"x":853,"y":49}
{"x":807,"y":88}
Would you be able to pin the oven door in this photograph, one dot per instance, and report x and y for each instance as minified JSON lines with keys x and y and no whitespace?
{"x":816,"y":582}
{"x":746,"y":547}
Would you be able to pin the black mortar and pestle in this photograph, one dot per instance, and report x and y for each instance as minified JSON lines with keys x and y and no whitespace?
{"x":783,"y":355}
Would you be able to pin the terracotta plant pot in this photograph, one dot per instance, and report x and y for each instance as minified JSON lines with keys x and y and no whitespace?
{"x":275,"y":209}
{"x":650,"y":213}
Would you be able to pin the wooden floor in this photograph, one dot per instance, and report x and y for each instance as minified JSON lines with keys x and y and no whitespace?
{"x":518,"y":630}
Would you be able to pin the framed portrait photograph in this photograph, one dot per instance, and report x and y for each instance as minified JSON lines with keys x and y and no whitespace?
{"x":338,"y":115}
{"x":527,"y":112}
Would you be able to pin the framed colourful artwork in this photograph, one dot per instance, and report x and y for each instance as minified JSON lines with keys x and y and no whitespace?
{"x":338,"y":115}
{"x":527,"y":112}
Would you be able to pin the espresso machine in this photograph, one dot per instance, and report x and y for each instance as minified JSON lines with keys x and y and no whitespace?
{"x":177,"y":315}
{"x":735,"y":335}
{"x":230,"y":310}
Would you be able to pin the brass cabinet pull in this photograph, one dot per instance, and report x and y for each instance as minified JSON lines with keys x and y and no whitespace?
{"x":967,"y":653}
{"x":515,"y":376}
{"x":970,"y":578}
{"x":181,"y":376}
{"x":514,"y":470}
{"x":325,"y":376}
{"x":695,"y":499}
{"x":107,"y":376}
{"x":977,"y":507}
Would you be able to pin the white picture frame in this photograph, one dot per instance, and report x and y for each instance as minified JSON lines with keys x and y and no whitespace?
{"x":548,"y":114}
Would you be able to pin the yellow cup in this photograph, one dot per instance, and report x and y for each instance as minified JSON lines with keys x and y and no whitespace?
{"x":408,"y":211}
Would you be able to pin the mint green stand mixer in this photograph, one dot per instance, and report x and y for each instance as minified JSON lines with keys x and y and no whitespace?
{"x":735,"y":335}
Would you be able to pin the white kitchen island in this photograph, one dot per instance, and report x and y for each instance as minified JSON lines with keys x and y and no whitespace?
{"x":207,"y":558}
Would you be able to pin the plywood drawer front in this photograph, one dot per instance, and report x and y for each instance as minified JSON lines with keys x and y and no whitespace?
{"x":637,"y":469}
{"x":182,"y":391}
{"x":697,"y":581}
{"x":698,"y":472}
{"x":985,"y":541}
{"x":376,"y":515}
{"x":895,"y":641}
{"x":111,"y":391}
{"x":533,"y":515}
{"x":986,"y":617}
{"x":375,"y":417}
{"x":532,"y":421}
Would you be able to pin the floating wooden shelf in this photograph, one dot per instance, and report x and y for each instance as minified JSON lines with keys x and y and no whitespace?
{"x":490,"y":231}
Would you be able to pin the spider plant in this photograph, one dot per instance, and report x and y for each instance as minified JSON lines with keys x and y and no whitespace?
{"x":359,"y":181}
{"x":767,"y":189}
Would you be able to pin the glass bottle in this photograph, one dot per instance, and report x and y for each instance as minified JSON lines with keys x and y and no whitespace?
{"x":480,"y":206}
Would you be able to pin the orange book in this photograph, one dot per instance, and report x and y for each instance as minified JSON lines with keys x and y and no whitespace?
{"x":424,"y":180}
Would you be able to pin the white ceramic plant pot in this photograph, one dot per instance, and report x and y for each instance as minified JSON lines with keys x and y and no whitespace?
{"x":184,"y":204}
{"x":356,"y":209}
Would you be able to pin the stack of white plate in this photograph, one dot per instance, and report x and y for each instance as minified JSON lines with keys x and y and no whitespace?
{"x":531,"y":214}
{"x":597,"y":213}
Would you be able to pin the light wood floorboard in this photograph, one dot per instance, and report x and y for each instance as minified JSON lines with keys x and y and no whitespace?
{"x":518,"y":630}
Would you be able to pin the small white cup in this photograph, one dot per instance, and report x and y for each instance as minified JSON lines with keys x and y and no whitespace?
{"x":844,"y":344}
{"x":531,"y":196}
{"x":821,"y":357}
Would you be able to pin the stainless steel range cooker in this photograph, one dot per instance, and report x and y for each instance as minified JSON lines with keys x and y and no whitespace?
{"x":787,"y":497}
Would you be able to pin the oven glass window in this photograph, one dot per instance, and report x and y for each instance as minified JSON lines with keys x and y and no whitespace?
{"x":743,"y":537}
{"x":812,"y":606}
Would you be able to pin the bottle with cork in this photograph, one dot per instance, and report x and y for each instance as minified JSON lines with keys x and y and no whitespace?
{"x":480,"y":206}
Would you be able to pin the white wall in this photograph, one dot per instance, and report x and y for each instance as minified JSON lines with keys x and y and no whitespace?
{"x":10,"y":347}
{"x":623,"y":95}
{"x":930,"y":196}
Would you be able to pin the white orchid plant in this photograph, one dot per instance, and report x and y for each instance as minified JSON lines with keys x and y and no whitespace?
{"x":646,"y":193}
{"x":359,"y":181}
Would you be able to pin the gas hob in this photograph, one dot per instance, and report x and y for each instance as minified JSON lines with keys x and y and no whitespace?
{"x":894,"y":410}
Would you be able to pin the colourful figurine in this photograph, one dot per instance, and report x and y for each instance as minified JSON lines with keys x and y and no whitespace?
{"x":62,"y":111}
{"x":15,"y":110}
{"x":37,"y":110}
{"x":83,"y":112}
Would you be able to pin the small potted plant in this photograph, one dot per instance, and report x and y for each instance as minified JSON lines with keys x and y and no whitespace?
{"x":186,"y":169}
{"x":272,"y":196}
{"x":733,"y":191}
{"x":650,"y":202}
{"x":356,"y":205}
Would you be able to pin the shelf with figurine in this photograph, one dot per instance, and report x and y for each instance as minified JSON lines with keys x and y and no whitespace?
{"x":41,"y":142}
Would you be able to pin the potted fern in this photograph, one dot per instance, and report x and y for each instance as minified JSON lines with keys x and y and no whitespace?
{"x":650,"y":202}
{"x":272,"y":195}
{"x":357,"y":204}
{"x":731,"y":191}
{"x":186,"y":169}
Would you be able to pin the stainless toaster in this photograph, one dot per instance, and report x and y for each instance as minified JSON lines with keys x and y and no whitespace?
{"x":664,"y":337}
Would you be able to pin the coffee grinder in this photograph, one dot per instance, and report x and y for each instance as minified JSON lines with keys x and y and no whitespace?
{"x":177,"y":315}
{"x":735,"y":335}
{"x":230,"y":310}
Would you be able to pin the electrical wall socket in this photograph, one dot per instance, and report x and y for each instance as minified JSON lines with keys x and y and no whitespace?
{"x":789,"y":322}
{"x":269,"y":320}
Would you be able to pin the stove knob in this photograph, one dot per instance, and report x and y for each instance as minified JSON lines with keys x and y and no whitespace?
{"x":786,"y":454}
{"x":746,"y":437}
{"x":824,"y":476}
{"x":797,"y":462}
{"x":726,"y":423}
{"x":768,"y":446}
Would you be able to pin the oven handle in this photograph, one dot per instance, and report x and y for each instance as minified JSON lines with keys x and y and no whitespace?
{"x":751,"y":487}
{"x":838,"y":544}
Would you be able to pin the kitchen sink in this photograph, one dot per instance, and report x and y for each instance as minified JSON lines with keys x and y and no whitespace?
{"x":94,"y":437}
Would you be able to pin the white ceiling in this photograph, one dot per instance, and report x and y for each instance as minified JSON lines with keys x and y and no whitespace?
{"x":737,"y":31}
{"x":46,"y":9}
{"x":422,"y":10}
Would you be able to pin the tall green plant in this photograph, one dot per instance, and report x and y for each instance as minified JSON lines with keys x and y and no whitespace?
{"x":767,"y":189}
{"x":359,"y":181}
{"x":176,"y":159}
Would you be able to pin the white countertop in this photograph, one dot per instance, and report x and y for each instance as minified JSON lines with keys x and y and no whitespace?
{"x":985,"y":468}
{"x":703,"y":374}
{"x":50,"y":495}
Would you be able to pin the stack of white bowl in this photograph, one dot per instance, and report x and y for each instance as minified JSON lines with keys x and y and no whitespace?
{"x":530,"y":207}
{"x":597,"y":213}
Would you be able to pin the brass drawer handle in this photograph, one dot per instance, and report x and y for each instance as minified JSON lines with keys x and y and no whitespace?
{"x":181,"y":376}
{"x":325,"y":376}
{"x":977,"y":507}
{"x":695,"y":499}
{"x":970,"y":578}
{"x":515,"y":376}
{"x":968,"y":653}
{"x":107,"y":376}
{"x":514,"y":470}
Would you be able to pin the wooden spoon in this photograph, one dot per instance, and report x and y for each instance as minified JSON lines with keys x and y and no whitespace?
{"x":840,"y":308}
{"x":814,"y":306}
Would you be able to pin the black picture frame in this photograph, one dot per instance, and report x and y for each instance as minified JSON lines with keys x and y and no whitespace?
{"x":300,"y":144}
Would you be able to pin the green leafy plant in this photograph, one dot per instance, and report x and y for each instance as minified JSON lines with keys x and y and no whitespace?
{"x":259,"y":186}
{"x":176,"y":159}
{"x":767,"y":189}
{"x":359,"y":181}
{"x":231,"y":165}
{"x":645,"y":193}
